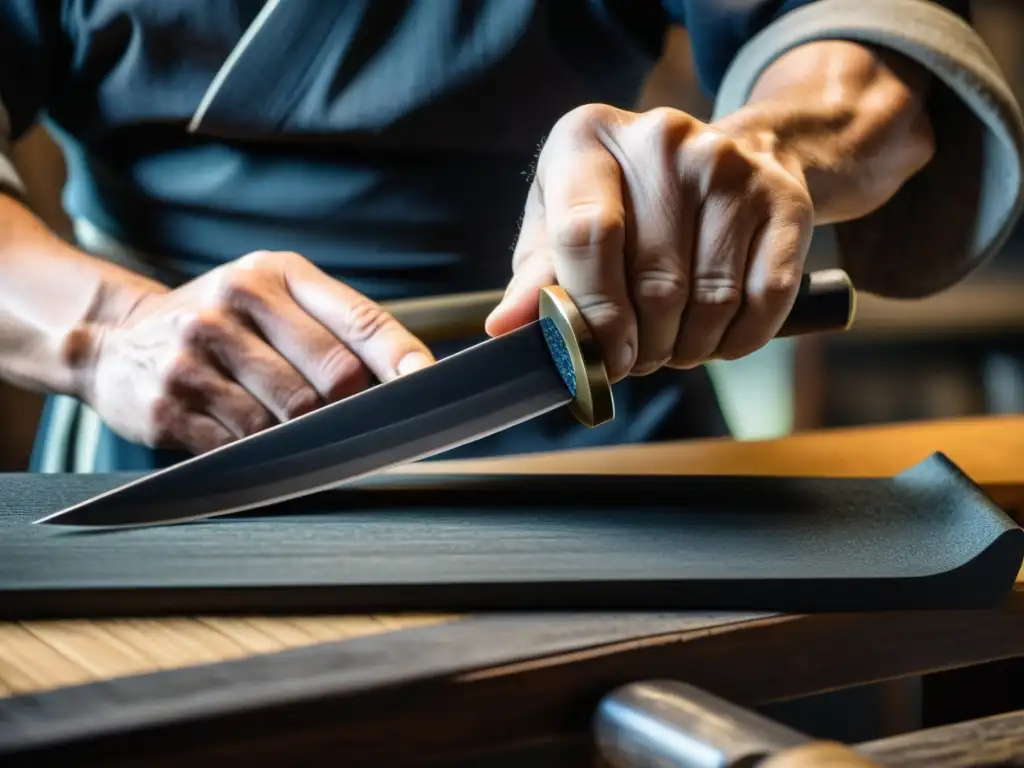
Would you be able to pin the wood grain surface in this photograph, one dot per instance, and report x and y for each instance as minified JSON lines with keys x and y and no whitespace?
{"x":989,"y":449}
{"x":738,"y":655}
{"x":989,"y":742}
{"x":477,"y":682}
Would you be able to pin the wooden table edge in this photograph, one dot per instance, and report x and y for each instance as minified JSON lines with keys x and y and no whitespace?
{"x":494,"y":693}
{"x":995,"y":634}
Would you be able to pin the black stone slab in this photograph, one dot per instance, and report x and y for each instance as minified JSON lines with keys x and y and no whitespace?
{"x":926,"y":538}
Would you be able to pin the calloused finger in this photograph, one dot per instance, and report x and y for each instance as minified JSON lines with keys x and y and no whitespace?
{"x":242,"y":355}
{"x":228,"y":403}
{"x":333,"y":369}
{"x":200,"y":433}
{"x":383,"y":344}
{"x":532,"y":269}
{"x":772,"y":284}
{"x":726,"y":226}
{"x":664,"y":204}
{"x":580,"y":184}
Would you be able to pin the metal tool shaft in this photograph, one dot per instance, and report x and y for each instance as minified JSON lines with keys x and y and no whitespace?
{"x":670,"y":724}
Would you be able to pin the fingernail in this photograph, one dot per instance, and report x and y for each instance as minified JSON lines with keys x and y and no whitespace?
{"x":414,"y":361}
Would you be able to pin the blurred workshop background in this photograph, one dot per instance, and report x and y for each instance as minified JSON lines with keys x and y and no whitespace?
{"x":960,"y":353}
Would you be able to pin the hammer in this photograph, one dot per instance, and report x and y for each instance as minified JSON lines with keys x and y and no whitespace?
{"x":669,"y":724}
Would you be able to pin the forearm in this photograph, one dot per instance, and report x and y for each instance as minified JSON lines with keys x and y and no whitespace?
{"x":852,"y":120}
{"x":50,"y":292}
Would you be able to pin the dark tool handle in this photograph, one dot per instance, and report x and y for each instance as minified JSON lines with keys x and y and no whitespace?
{"x":448,"y":317}
{"x":676,"y":725}
{"x":826,"y":302}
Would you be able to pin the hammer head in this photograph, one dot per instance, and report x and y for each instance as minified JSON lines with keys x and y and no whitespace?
{"x":670,"y":724}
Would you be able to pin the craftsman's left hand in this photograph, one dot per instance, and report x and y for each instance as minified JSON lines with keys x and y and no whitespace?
{"x":680,"y":241}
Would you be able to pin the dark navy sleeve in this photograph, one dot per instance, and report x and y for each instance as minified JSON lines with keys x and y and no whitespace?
{"x":34,"y":54}
{"x":718,"y":29}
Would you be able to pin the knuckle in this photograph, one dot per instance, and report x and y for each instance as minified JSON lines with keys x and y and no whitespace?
{"x":201,"y":328}
{"x":365,"y":319}
{"x":255,"y":420}
{"x":254,"y":259}
{"x":238,"y":289}
{"x":720,"y":161}
{"x":589,"y":226}
{"x":264,"y":260}
{"x":341,"y":372}
{"x":587,"y":117}
{"x":661,"y":290}
{"x":779,"y":285}
{"x":665,"y":127}
{"x":615,"y":327}
{"x":604,"y":314}
{"x":161,"y":418}
{"x":722,"y":292}
{"x":725,"y":148}
{"x":179,"y":372}
{"x":664,"y":118}
{"x":299,"y":402}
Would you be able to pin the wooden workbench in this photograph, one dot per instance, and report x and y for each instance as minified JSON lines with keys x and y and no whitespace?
{"x":509,"y":678}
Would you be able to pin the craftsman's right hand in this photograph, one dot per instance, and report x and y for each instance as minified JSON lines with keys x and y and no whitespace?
{"x":253,"y":343}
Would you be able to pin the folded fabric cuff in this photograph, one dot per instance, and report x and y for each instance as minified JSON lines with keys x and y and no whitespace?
{"x":959,"y":210}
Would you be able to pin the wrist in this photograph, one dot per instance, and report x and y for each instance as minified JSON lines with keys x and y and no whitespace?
{"x":114,"y":296}
{"x":53,"y":299}
{"x":851,"y":122}
{"x":805,"y":140}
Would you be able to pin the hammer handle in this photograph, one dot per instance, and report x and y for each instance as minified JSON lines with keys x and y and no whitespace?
{"x":826,"y":301}
{"x":818,"y":754}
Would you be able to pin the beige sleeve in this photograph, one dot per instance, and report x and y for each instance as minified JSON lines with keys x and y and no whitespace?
{"x":957,"y":212}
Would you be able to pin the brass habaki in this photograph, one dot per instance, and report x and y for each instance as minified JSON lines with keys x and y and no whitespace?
{"x":593,"y":403}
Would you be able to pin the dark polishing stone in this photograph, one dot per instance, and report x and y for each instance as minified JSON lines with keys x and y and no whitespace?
{"x":927,"y":537}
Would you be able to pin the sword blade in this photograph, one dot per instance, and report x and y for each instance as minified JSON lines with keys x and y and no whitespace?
{"x":474,"y":393}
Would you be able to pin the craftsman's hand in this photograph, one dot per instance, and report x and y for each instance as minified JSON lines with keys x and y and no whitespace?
{"x":680,"y":241}
{"x":256,"y":342}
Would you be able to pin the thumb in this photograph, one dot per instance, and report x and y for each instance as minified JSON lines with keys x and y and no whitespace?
{"x":520,"y":304}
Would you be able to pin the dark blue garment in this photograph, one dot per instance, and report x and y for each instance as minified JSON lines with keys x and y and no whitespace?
{"x":388,"y":141}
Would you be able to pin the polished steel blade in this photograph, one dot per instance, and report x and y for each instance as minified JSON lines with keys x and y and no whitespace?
{"x":474,"y":393}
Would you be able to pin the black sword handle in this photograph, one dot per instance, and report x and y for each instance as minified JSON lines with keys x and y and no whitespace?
{"x":826,"y":301}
